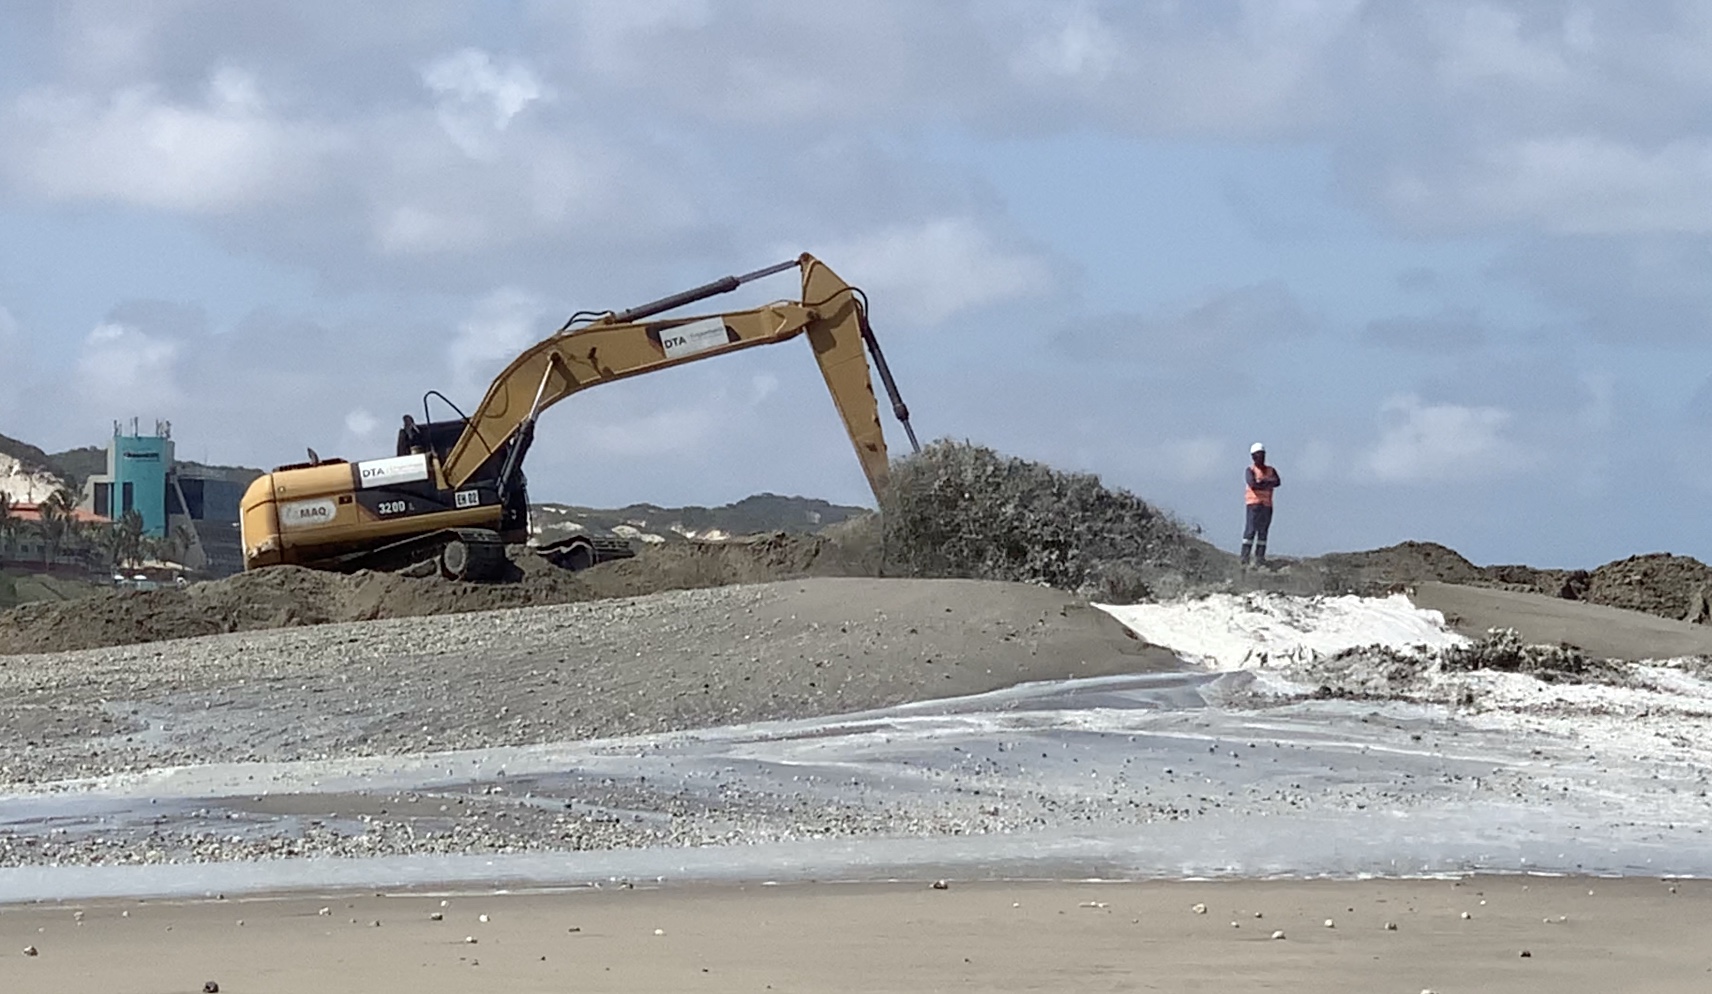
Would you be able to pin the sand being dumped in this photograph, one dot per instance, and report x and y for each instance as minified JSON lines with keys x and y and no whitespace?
{"x":963,"y":510}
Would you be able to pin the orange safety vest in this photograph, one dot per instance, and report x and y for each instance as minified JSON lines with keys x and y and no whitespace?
{"x":1261,"y":497}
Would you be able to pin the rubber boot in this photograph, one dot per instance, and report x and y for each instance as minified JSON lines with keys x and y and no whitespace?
{"x":1247,"y":550}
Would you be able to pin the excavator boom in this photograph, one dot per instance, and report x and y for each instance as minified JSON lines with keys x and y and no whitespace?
{"x":618,"y":346}
{"x":455,"y":491}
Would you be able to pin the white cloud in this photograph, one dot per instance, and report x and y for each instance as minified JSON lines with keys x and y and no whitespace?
{"x":1584,"y":184}
{"x":1212,"y":330}
{"x":1486,"y":41}
{"x":136,"y":146}
{"x":613,"y":26}
{"x":1443,"y":443}
{"x":502,"y":324}
{"x":478,"y":98}
{"x":411,"y":229}
{"x":1191,"y":459}
{"x":1082,"y":47}
{"x":1317,"y":461}
{"x":122,"y":369}
{"x":15,"y":370}
{"x":656,"y":433}
{"x":933,"y":270}
{"x":360,"y":422}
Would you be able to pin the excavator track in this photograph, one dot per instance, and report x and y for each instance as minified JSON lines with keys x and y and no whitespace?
{"x":579,"y":552}
{"x":476,"y":555}
{"x":473,"y":554}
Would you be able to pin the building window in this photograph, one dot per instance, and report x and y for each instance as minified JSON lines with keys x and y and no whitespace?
{"x":129,"y":499}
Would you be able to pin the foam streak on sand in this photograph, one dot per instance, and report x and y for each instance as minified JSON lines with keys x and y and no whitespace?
{"x":1248,"y":631}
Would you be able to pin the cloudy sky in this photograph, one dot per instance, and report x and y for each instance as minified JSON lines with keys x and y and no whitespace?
{"x":1451,"y":261}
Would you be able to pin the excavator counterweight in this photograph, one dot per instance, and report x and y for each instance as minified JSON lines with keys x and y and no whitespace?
{"x":454,"y":492}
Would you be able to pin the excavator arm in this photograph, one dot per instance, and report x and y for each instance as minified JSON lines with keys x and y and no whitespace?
{"x":455,"y":493}
{"x":616,"y":346}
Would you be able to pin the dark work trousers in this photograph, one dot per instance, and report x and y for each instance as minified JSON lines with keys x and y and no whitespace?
{"x":1254,"y":533}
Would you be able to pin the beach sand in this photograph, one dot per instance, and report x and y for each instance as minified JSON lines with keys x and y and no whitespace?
{"x":1603,"y":632}
{"x":1580,"y":935}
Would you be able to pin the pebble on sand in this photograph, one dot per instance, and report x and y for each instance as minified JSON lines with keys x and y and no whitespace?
{"x":482,"y":919}
{"x":1330,"y":923}
{"x":1390,"y":926}
{"x":469,"y":940}
{"x":1466,"y":916}
{"x":1279,"y":934}
{"x":1525,"y":954}
{"x":941,"y":885}
{"x":1199,"y":909}
{"x":210,"y":987}
{"x":436,"y":916}
{"x":29,"y":950}
{"x":659,"y":931}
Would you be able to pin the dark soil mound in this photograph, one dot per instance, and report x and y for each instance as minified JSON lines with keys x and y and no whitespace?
{"x":1406,"y":562}
{"x":1570,"y":585}
{"x":962,"y":510}
{"x":1658,"y":583}
{"x":286,"y":596}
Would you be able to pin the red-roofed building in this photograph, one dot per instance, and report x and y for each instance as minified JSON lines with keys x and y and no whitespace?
{"x":26,"y":545}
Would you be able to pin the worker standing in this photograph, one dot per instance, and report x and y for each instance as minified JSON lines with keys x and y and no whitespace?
{"x":1262,"y":480}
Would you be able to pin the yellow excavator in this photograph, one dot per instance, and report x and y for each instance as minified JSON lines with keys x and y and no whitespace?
{"x":454,"y":494}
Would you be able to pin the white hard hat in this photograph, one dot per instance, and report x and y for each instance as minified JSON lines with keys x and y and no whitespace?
{"x":1256,"y":447}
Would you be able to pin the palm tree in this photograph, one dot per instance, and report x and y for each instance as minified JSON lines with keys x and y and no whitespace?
{"x":125,"y":539}
{"x":109,"y":543}
{"x":59,"y":523}
{"x":177,"y":545}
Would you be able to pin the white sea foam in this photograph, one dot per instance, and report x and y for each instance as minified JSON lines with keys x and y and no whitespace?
{"x":1251,"y":631}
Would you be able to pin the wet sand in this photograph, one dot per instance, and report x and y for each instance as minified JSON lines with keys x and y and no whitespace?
{"x":1581,"y":935}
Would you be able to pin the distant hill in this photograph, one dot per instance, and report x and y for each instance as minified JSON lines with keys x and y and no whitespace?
{"x":78,"y":465}
{"x":233,"y":474}
{"x":762,"y":513}
{"x":27,"y":455}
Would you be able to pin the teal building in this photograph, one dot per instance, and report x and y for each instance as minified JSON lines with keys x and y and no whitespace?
{"x":138,"y":466}
{"x":195,"y":505}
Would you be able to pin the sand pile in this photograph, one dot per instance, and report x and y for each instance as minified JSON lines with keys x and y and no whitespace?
{"x":963,"y":510}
